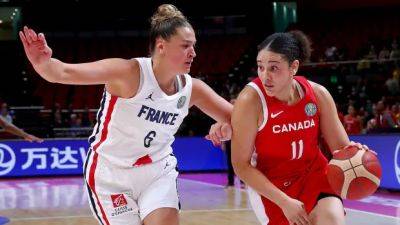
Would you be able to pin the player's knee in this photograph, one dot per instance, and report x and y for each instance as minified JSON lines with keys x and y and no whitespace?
{"x":327,"y":218}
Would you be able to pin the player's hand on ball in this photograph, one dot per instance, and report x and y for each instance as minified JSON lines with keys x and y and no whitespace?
{"x":358,"y":145}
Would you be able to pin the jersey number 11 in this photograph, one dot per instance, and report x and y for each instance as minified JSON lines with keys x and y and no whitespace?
{"x":297,"y":152}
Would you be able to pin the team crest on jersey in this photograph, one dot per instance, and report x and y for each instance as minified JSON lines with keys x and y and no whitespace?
{"x":181,"y":102}
{"x":310,"y":109}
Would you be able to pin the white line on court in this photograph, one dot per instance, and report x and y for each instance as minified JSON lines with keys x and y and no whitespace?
{"x":348,"y":209}
{"x":371,"y":213}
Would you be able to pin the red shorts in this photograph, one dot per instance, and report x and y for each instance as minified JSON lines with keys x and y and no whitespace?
{"x":305,"y":188}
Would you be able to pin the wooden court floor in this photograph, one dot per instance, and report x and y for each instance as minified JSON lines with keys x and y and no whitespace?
{"x":65,"y":203}
{"x":201,"y":204}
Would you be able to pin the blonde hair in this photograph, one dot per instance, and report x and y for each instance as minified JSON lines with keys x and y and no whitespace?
{"x":164,"y":23}
{"x":166,"y":12}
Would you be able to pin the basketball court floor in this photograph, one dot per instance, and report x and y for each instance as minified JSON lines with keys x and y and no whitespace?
{"x":204,"y":199}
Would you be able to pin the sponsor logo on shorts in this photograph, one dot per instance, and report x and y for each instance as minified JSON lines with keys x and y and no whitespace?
{"x":120,"y":205}
{"x":118,"y":200}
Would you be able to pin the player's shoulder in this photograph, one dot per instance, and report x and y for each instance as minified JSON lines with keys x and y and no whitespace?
{"x":248,"y":102}
{"x":320,"y":91}
{"x":133,"y":65}
{"x":119,"y":67}
{"x":248,"y":95}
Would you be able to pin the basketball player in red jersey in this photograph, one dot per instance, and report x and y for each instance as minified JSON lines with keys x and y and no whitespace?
{"x":276,"y":122}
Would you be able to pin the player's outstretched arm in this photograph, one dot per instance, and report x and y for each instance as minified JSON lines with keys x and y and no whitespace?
{"x":210,"y":102}
{"x":53,"y":70}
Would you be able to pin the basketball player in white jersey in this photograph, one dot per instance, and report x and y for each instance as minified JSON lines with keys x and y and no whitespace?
{"x":130,"y":170}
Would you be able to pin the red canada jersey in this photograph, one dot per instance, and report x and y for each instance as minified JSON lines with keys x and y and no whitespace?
{"x":286,"y":149}
{"x":287,"y":141}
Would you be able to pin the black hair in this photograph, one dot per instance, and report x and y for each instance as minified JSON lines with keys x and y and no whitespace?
{"x":292,"y":45}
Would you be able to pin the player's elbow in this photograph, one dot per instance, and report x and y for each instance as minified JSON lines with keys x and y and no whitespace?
{"x":239,"y":166}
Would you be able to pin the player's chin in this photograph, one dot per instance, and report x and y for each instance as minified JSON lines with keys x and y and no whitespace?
{"x":186,"y":69}
{"x":270,"y":92}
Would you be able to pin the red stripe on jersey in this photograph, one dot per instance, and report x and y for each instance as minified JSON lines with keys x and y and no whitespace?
{"x":104,"y":134}
{"x":143,"y":160}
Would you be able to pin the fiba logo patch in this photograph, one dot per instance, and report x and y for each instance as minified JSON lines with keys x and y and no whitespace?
{"x":120,"y":205}
{"x":397,"y":161}
{"x":181,"y":102}
{"x":7,"y":159}
{"x":310,"y":109}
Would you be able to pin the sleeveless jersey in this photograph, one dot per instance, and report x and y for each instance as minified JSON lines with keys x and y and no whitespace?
{"x":286,"y":148}
{"x":141,"y":129}
{"x":287,"y":140}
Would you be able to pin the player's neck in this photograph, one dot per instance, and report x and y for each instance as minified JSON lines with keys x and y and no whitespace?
{"x":165,"y":79}
{"x":290,"y":95}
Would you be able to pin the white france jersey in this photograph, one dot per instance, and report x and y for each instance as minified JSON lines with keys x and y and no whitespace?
{"x":140,"y":130}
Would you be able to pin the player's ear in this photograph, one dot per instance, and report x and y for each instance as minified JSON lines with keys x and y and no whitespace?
{"x":294,"y":67}
{"x":160,"y":45}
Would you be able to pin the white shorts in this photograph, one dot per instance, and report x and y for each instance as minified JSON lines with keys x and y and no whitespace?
{"x":127,"y":195}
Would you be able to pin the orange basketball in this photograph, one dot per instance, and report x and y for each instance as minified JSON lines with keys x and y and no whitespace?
{"x":354,"y":173}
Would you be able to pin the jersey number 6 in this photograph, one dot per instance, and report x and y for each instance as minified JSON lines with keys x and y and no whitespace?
{"x":149,"y":138}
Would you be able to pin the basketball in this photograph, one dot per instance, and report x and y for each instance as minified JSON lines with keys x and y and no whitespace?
{"x":354,"y":173}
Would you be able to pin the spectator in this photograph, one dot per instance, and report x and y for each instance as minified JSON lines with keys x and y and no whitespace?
{"x":352,"y":122}
{"x":75,"y":121}
{"x":5,"y":113}
{"x":395,"y":112}
{"x":331,"y":53}
{"x":395,"y":53}
{"x":57,"y":116}
{"x":384,"y":118}
{"x":392,"y":84}
{"x":384,"y":53}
